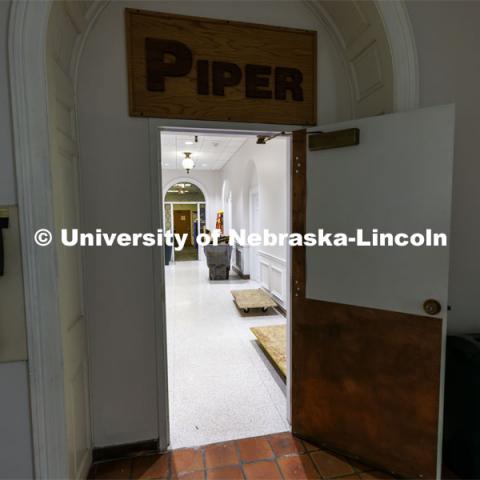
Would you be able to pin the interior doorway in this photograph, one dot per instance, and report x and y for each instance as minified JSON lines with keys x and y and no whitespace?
{"x":224,"y":384}
{"x":182,"y":221}
{"x":184,"y":214}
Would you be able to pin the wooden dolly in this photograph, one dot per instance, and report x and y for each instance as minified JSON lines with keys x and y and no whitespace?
{"x":253,"y":298}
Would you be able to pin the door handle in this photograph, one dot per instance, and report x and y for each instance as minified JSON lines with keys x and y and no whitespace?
{"x":432,"y":306}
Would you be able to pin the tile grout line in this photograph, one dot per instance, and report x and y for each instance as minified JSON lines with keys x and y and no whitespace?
{"x":315,"y":466}
{"x":279,"y":468}
{"x":275,"y":456}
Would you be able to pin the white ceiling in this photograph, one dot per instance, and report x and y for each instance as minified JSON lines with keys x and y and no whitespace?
{"x":211,"y":152}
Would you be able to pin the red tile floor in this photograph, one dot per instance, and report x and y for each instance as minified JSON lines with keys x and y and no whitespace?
{"x":280,"y":456}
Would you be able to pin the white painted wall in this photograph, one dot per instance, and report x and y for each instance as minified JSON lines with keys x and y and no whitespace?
{"x":448,"y":41}
{"x":7,"y":179}
{"x":265,"y":168}
{"x":16,"y":459}
{"x":114,"y":166}
{"x":62,"y":37}
{"x":119,"y":296}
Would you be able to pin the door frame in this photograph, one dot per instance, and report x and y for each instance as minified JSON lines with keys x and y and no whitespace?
{"x":156,"y":126}
{"x":172,"y":210}
{"x":27,"y":27}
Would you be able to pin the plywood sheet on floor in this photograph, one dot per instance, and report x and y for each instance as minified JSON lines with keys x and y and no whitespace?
{"x":273,"y":340}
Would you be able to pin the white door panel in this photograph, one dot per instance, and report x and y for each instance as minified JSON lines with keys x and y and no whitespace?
{"x":398,"y":179}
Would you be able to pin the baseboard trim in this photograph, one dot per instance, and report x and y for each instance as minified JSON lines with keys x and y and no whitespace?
{"x":101,"y":454}
{"x":243,"y":276}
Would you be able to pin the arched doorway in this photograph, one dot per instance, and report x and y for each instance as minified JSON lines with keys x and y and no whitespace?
{"x":185,"y":211}
{"x":29,"y":21}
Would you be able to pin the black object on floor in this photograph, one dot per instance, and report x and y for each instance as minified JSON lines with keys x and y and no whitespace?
{"x":3,"y":224}
{"x":461,"y":440}
{"x":101,"y":454}
{"x":168,"y":254}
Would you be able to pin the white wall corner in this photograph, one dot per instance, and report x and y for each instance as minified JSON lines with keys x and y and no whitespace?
{"x":403,"y":49}
{"x":28,"y":83}
{"x":316,"y":8}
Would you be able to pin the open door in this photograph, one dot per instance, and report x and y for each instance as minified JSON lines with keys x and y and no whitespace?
{"x":367,"y":354}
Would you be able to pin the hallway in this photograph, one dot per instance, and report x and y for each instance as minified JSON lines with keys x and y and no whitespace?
{"x":221,"y":386}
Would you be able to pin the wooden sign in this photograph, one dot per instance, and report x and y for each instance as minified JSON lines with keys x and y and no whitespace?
{"x":205,"y":69}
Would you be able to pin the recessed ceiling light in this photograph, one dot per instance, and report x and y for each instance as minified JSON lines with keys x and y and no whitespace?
{"x":188,"y":142}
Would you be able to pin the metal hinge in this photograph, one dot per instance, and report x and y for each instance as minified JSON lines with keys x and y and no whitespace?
{"x":337,"y":139}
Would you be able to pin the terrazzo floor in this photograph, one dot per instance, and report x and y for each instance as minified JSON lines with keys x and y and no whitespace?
{"x":221,"y":386}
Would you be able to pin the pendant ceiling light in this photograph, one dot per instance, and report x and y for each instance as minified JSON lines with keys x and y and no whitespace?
{"x":188,"y":162}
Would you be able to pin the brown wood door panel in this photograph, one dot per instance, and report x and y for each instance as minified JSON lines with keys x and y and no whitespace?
{"x":365,"y":381}
{"x":182,"y":226}
{"x":363,"y":377}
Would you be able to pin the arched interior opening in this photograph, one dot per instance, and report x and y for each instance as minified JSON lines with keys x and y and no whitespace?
{"x":47,"y":159}
{"x":184,"y":192}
